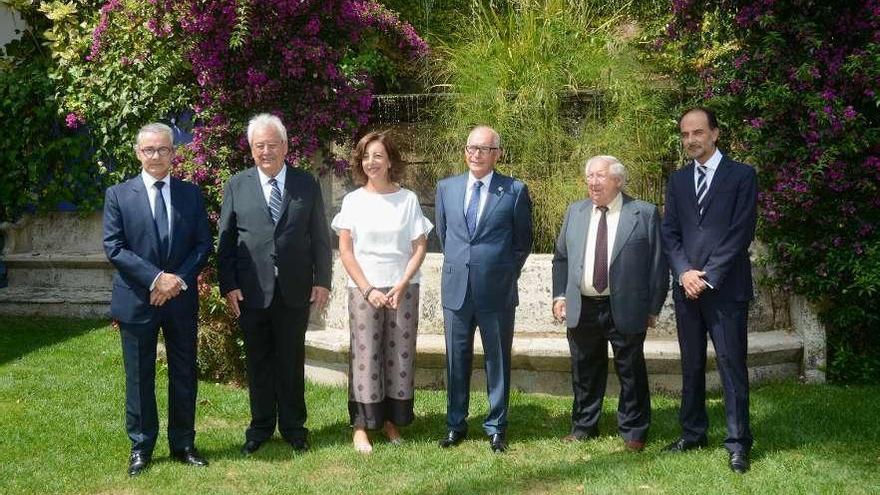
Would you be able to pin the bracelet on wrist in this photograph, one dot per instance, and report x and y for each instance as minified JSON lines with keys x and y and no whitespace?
{"x":368,"y":291}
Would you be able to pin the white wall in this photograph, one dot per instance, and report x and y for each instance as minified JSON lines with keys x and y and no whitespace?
{"x":9,"y":22}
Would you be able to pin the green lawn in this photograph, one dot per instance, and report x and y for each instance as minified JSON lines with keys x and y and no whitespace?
{"x":61,"y":431}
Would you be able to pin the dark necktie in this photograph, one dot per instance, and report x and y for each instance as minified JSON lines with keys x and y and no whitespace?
{"x":275,"y":201}
{"x":600,"y":265}
{"x":161,"y":217}
{"x":472,"y":209}
{"x":701,"y":186}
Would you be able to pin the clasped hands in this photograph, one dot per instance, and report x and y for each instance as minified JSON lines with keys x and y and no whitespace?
{"x":168,"y":286}
{"x":390,"y":299}
{"x":693,"y":284}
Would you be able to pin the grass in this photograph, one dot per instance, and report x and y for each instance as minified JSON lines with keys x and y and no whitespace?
{"x":61,"y":431}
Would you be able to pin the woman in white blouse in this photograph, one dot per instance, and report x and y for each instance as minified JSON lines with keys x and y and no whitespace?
{"x":382,"y":243}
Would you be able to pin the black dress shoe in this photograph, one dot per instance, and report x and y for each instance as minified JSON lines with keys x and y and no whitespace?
{"x":250,"y":447}
{"x":453,"y":438}
{"x":682,"y":445}
{"x":299,"y":444}
{"x":191,"y":456}
{"x":497,"y":443}
{"x":739,"y":462}
{"x":137,"y":462}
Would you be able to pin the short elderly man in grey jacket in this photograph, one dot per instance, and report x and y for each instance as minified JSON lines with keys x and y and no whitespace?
{"x":610,"y":279}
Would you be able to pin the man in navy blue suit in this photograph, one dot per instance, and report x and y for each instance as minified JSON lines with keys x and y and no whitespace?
{"x":156,"y":235}
{"x":484,"y":220}
{"x":707,"y":229}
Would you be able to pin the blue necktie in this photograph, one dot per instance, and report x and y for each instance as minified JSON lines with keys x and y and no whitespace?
{"x":701,"y":186}
{"x":161,"y":218}
{"x":275,"y":201}
{"x":473,"y":207}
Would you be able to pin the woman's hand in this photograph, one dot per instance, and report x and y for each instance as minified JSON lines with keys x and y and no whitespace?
{"x":396,"y":293}
{"x":376,"y":298}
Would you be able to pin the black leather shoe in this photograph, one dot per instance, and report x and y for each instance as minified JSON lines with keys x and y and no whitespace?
{"x":497,"y":443}
{"x":250,"y":447}
{"x":137,"y":462}
{"x":191,"y":456}
{"x":739,"y":462}
{"x":299,"y":444}
{"x":453,"y":438}
{"x":682,"y":445}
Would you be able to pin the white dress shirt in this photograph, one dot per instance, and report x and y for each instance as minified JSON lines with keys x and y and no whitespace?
{"x":152,"y":192}
{"x":267,"y":188}
{"x":484,"y":192}
{"x":711,"y":166}
{"x":612,"y":218}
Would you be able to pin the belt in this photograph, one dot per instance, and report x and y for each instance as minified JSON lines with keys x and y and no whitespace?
{"x":595,"y":299}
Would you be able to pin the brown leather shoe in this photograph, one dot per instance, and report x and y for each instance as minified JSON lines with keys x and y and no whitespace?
{"x":634,"y":445}
{"x":579,"y":437}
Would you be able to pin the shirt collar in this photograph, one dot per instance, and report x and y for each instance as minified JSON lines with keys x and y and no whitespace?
{"x":713,"y":161}
{"x":486,"y":180}
{"x":149,"y":180}
{"x":615,"y":205}
{"x":279,"y":177}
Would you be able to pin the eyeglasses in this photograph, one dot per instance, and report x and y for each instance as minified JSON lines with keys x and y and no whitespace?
{"x":473,"y":149}
{"x":267,"y":146}
{"x":152,"y":152}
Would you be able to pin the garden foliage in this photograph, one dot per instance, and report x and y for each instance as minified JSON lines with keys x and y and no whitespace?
{"x":797,"y":82}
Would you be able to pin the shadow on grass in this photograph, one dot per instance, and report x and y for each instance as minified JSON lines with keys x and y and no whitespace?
{"x":22,"y":335}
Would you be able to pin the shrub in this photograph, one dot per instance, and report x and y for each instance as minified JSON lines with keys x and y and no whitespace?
{"x":560,"y":81}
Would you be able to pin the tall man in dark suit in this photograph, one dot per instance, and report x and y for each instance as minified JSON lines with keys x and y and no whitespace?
{"x":484,"y":220}
{"x":156,"y":235}
{"x":609,"y":282}
{"x":274,"y":261}
{"x":707,"y":229}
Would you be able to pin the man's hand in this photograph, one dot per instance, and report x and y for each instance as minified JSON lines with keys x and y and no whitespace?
{"x":168,"y":284}
{"x":559,"y":310}
{"x":232,"y":299}
{"x":693,"y":283}
{"x":157,"y":298}
{"x":320,"y":296}
{"x":652,"y":321}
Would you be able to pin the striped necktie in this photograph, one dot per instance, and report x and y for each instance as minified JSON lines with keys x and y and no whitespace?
{"x":275,"y":201}
{"x":701,"y":186}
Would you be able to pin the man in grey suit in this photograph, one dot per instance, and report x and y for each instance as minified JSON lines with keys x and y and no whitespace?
{"x":484,"y":221}
{"x":609,"y":283}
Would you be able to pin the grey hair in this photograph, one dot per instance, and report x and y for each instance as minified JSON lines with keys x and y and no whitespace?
{"x":496,"y":141}
{"x":263,"y":120}
{"x":614,"y":166}
{"x":154,"y":128}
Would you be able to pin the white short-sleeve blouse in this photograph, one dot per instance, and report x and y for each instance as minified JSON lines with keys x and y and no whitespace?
{"x":382,"y":227}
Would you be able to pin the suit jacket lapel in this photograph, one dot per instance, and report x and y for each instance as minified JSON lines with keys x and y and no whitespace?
{"x":719,"y":177}
{"x":143,"y":203}
{"x":457,"y":198}
{"x":285,"y":196}
{"x":257,"y":188}
{"x":176,"y":208}
{"x":580,"y":226}
{"x":629,"y":217}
